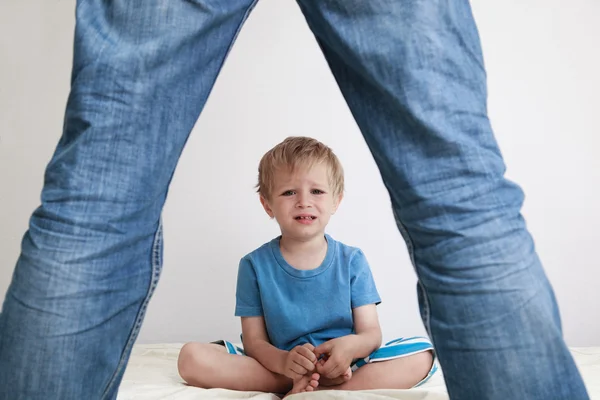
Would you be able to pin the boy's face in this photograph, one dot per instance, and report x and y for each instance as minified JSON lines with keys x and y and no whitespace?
{"x":302,"y":202}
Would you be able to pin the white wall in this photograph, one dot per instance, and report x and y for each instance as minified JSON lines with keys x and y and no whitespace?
{"x":543,"y":68}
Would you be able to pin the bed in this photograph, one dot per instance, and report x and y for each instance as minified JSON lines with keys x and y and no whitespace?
{"x":152,"y":374}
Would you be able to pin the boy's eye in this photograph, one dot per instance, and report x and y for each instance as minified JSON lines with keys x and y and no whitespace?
{"x":288,"y":193}
{"x":317,"y":191}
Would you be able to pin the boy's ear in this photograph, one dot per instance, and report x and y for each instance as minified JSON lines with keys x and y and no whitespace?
{"x":266,"y":206}
{"x":336,"y":202}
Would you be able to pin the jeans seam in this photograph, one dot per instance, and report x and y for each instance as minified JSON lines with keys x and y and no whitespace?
{"x":156,"y":261}
{"x":410,"y":248}
{"x":237,"y":32}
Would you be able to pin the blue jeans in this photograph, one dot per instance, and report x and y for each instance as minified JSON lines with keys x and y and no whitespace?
{"x":413,"y":75}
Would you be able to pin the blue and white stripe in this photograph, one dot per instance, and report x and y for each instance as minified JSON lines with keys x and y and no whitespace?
{"x":398,"y":348}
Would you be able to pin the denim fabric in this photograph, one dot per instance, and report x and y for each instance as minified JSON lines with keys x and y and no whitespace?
{"x":413,"y":75}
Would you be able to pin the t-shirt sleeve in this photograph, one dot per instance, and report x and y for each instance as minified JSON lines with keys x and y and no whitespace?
{"x":247,"y":296}
{"x":362,"y":284}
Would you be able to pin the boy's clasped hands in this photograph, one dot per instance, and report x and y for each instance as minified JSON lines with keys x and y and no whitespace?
{"x":327,"y":364}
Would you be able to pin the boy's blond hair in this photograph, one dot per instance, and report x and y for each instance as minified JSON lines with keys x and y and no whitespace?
{"x":295,"y":152}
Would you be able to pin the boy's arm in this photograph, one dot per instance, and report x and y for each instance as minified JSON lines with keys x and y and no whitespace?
{"x":368,"y":332}
{"x":367,"y":336}
{"x":257,"y":345}
{"x":364,"y":299}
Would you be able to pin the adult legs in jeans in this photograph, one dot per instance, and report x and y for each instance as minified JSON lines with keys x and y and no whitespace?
{"x":90,"y":260}
{"x":412,"y":73}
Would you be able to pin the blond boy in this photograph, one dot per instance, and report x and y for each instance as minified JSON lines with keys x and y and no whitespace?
{"x":307,"y":302}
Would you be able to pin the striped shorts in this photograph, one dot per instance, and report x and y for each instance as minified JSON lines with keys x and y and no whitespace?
{"x":397,"y":348}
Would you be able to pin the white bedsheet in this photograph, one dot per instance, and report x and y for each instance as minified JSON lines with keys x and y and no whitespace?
{"x":152,"y":374}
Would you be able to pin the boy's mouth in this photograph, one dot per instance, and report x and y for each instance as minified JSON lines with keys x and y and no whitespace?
{"x":305,"y":219}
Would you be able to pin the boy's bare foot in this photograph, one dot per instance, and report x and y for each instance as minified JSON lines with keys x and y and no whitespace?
{"x":307,"y":383}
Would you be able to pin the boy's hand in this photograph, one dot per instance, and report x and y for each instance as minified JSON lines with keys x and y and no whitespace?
{"x":338,"y":355}
{"x":299,"y":361}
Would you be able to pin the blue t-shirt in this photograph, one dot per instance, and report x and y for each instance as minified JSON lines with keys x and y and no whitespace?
{"x":304,"y":306}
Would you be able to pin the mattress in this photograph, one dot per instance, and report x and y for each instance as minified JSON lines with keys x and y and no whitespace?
{"x":152,"y":374}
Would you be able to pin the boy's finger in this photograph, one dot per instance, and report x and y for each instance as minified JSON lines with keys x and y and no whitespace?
{"x":298,"y":369}
{"x":334,"y":372}
{"x":337,"y":371}
{"x":321,"y":368}
{"x":323,"y":348}
{"x":305,"y":364}
{"x":295,"y":376}
{"x":307,"y":353}
{"x":309,"y":346}
{"x":327,"y":368}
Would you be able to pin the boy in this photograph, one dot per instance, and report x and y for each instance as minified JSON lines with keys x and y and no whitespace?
{"x":307,"y":302}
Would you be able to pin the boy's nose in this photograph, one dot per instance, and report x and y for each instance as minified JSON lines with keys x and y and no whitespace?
{"x":303,"y":201}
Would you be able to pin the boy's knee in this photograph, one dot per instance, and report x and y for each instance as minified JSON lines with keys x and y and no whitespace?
{"x":187,"y":361}
{"x":423,"y":365}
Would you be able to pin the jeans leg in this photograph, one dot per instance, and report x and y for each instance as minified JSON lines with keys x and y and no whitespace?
{"x":91,"y":258}
{"x":413,"y":75}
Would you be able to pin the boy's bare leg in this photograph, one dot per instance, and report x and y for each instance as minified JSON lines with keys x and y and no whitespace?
{"x":208,"y":366}
{"x":400,"y":373}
